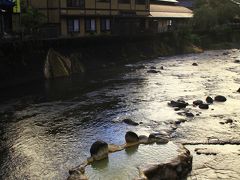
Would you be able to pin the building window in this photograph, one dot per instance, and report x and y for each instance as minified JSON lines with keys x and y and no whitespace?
{"x":140,"y":1}
{"x":105,"y":25}
{"x":90,"y":25}
{"x":76,"y":3}
{"x":73,"y":25}
{"x":124,"y":1}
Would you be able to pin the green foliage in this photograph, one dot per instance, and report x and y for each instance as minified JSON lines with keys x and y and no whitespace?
{"x":32,"y":19}
{"x":212,"y":14}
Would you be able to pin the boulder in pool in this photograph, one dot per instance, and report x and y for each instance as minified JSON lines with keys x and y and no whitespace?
{"x":220,"y":98}
{"x":99,"y":150}
{"x":131,"y":137}
{"x":178,"y":168}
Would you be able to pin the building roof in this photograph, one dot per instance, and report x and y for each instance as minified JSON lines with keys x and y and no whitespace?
{"x":166,"y":11}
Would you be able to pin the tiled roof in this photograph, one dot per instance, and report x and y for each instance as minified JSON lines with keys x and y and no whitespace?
{"x":167,"y":11}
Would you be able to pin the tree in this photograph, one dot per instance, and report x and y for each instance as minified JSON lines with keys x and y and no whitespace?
{"x":32,"y":20}
{"x":212,"y":14}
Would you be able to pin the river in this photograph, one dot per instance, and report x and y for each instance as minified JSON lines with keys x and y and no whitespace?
{"x":47,"y":128}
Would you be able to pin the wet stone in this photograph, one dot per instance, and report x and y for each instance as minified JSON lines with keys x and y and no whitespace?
{"x":209,"y":100}
{"x":179,"y":104}
{"x":229,"y":121}
{"x":237,"y":61}
{"x":99,"y":150}
{"x":204,"y":106}
{"x":220,"y":98}
{"x":178,"y":168}
{"x":238,"y":90}
{"x":130,"y":122}
{"x":189,"y":114}
{"x":194,"y":64}
{"x":143,"y":139}
{"x":158,"y":138}
{"x":153,"y":67}
{"x":131,"y":137}
{"x":153,"y":71}
{"x":197,"y":102}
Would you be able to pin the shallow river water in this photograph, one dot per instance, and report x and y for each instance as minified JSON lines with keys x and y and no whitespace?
{"x":48,"y":127}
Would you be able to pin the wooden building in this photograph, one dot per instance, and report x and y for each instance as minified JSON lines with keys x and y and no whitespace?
{"x":76,"y":18}
{"x":168,"y":15}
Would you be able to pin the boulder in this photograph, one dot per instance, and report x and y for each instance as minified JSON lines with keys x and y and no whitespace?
{"x":179,"y":104}
{"x":77,"y":176}
{"x":220,"y":98}
{"x":238,"y":90}
{"x":209,"y":100}
{"x":77,"y":67}
{"x":237,"y":61}
{"x":153,"y":71}
{"x":189,"y":114}
{"x":131,"y":137}
{"x":153,"y":67}
{"x":195,"y":64}
{"x":178,"y":168}
{"x":204,"y":106}
{"x":99,"y":150}
{"x":130,"y":122}
{"x":158,"y":138}
{"x":143,"y":139}
{"x":56,"y":65}
{"x":197,"y":102}
{"x":229,"y":121}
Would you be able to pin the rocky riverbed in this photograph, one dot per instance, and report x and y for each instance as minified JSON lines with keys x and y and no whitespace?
{"x":49,"y":127}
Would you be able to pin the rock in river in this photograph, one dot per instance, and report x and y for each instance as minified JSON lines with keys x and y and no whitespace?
{"x":99,"y":150}
{"x":131,"y":137}
{"x":195,"y":64}
{"x":220,"y":98}
{"x":178,"y":168}
{"x":153,"y":71}
{"x":130,"y":122}
{"x":158,"y":138}
{"x":197,"y":102}
{"x":238,"y":90}
{"x":204,"y":106}
{"x":209,"y":100}
{"x":179,"y":104}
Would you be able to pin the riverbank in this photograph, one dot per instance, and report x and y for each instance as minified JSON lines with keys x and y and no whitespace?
{"x":23,"y":61}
